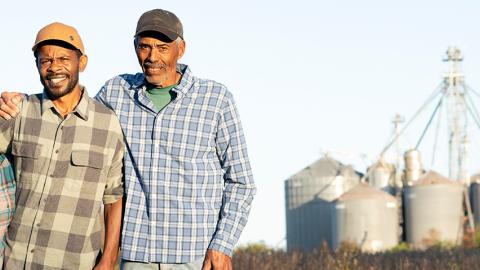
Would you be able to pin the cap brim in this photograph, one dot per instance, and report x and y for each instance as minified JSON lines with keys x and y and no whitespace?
{"x":155,"y":28}
{"x":58,"y":42}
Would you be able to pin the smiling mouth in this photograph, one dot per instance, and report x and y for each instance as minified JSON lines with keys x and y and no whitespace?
{"x":154,"y":69}
{"x":57,"y":79}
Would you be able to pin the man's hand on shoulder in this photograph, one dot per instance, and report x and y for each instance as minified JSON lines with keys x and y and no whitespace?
{"x":216,"y":260}
{"x":9,"y":104}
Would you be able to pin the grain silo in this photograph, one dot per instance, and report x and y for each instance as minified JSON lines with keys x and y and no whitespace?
{"x":367,"y":217}
{"x":433,"y":211}
{"x":381,"y":175}
{"x":309,"y":195}
{"x":413,"y":166}
{"x":475,"y":197}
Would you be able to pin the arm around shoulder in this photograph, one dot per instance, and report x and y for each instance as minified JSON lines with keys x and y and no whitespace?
{"x":9,"y":104}
{"x":8,"y":127}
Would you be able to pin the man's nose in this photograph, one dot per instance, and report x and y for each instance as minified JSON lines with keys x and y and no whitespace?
{"x":54,"y":65}
{"x":153,"y":55}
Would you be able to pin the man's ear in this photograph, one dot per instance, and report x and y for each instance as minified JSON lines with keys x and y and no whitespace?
{"x":83,"y":62}
{"x":181,"y":48}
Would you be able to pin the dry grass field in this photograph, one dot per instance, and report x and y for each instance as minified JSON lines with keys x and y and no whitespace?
{"x":349,"y":257}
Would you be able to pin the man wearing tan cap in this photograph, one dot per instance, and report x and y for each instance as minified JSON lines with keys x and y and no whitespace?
{"x":68,"y":151}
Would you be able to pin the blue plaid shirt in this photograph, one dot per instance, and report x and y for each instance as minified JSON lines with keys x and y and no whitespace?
{"x":188,"y":181}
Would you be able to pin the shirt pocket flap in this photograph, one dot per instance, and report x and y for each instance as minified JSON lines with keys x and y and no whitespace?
{"x":26,"y":149}
{"x":87,"y":159}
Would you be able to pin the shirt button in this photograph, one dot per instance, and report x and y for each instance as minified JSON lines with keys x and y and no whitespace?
{"x":38,"y":224}
{"x":56,"y":151}
{"x":31,"y":251}
{"x":51,"y":175}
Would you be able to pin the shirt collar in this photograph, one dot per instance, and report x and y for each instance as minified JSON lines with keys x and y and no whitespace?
{"x":81,"y":109}
{"x":184,"y":85}
{"x":186,"y":81}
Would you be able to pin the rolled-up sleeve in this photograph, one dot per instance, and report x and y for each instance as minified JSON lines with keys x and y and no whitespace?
{"x":114,"y":184}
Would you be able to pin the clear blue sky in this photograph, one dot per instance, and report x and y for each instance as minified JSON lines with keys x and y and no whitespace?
{"x":308,"y":76}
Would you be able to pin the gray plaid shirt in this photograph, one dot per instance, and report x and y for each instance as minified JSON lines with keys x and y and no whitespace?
{"x":64,"y":168}
{"x":188,"y":180}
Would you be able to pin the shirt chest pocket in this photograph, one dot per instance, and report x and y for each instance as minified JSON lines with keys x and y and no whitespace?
{"x":191,"y":140}
{"x":187,"y":147}
{"x":27,"y":161}
{"x":83,"y":158}
{"x":86,"y":171}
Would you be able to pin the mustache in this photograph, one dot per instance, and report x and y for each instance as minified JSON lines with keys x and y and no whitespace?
{"x":149,"y":64}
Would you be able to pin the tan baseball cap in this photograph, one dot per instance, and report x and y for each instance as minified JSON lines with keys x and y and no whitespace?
{"x":61,"y":32}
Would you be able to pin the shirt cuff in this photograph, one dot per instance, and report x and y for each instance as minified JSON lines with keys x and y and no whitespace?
{"x":224,"y":248}
{"x":108,"y":199}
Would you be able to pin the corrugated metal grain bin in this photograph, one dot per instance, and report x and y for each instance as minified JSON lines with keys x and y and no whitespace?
{"x":433,"y":211}
{"x":381,"y":175}
{"x":367,"y":217}
{"x":475,"y":197}
{"x":308,"y":197}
